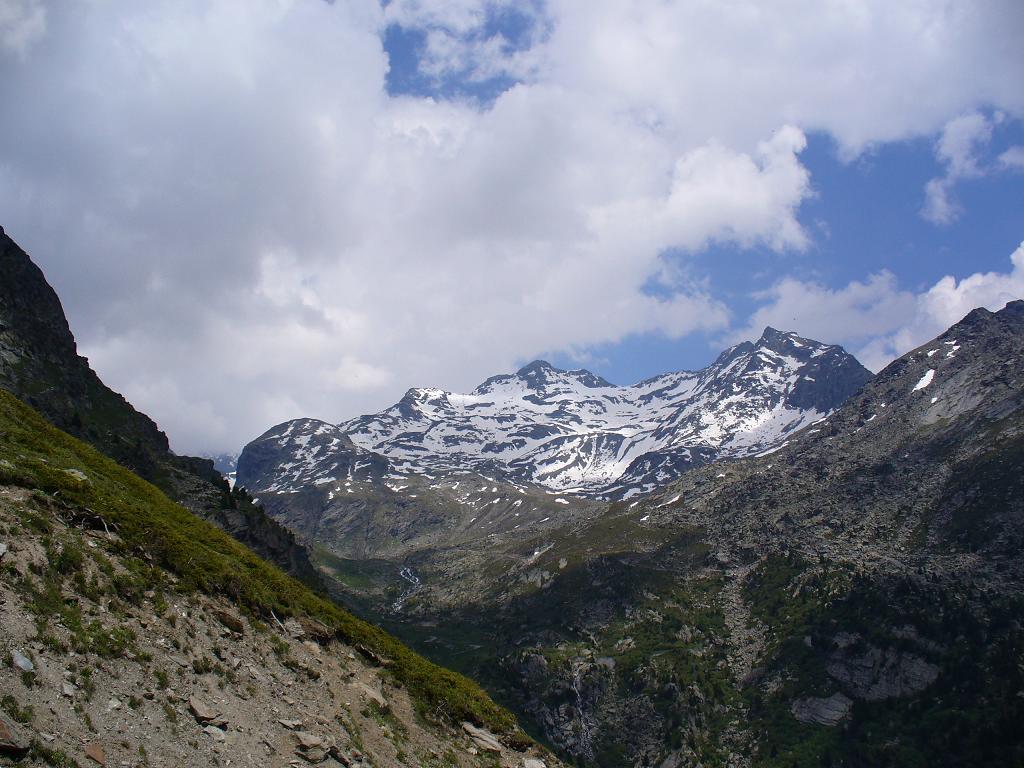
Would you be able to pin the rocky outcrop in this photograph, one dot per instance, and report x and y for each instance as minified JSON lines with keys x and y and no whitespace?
{"x":822,"y":711}
{"x":13,"y":742}
{"x":870,"y":673}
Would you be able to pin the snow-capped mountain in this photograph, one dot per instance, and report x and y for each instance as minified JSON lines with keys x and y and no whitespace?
{"x":571,"y":431}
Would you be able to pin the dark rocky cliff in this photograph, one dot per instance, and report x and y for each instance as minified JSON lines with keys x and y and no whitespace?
{"x":40,"y":364}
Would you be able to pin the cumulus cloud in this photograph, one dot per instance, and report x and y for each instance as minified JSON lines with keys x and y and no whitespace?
{"x":1012,"y":159}
{"x":247,"y":226}
{"x":958,"y":150}
{"x":865,"y":71}
{"x":875,"y":319}
{"x":464,"y":39}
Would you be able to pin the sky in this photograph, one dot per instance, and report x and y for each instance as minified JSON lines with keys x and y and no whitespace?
{"x":256,"y":210}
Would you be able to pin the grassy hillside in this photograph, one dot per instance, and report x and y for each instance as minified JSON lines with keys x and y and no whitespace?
{"x":95,"y":491}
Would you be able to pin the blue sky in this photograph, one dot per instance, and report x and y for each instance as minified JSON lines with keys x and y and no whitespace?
{"x":865,"y":217}
{"x":255,"y":211}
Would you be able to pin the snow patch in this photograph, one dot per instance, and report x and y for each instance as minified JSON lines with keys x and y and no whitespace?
{"x":925,"y":380}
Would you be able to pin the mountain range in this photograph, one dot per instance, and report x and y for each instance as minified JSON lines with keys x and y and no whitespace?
{"x":830,"y":578}
{"x":573,"y":432}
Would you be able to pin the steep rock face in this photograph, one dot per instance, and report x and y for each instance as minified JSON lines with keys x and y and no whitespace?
{"x":40,"y":364}
{"x":878,"y":556}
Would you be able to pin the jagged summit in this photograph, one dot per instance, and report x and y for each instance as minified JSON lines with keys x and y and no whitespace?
{"x":771,"y":334}
{"x":773,"y":338}
{"x":542,"y":375}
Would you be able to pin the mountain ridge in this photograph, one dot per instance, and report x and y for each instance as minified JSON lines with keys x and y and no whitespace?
{"x":574,"y":432}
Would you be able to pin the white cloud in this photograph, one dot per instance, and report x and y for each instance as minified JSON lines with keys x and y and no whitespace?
{"x":958,"y":149}
{"x":1012,"y":159}
{"x":245,"y":226}
{"x":960,"y":142}
{"x":855,"y":313}
{"x":22,"y":23}
{"x":875,"y":319}
{"x":737,"y":70}
{"x":461,"y":41}
{"x":939,"y":207}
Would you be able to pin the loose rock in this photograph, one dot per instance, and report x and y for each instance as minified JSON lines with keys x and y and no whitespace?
{"x":373,"y":694}
{"x":12,"y":741}
{"x":314,"y":755}
{"x":822,"y":711}
{"x":308,"y":740}
{"x":485,"y":740}
{"x":21,"y":661}
{"x":315,"y":631}
{"x":95,"y":753}
{"x":230,"y":621}
{"x":201,"y":711}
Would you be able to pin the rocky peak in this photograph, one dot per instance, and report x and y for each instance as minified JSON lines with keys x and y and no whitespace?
{"x":789,"y":343}
{"x":981,"y":320}
{"x":537,"y":369}
{"x":541,"y":376}
{"x":32,"y":322}
{"x":772,"y":336}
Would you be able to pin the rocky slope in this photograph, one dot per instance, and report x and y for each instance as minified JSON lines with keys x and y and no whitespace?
{"x":353,"y":503}
{"x":40,"y":364}
{"x":135,"y":634}
{"x":852,"y":598}
{"x":573,"y":432}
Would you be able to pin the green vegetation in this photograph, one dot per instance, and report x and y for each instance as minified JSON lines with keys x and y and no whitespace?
{"x":50,"y":756}
{"x":153,"y":529}
{"x":969,"y":717}
{"x":642,"y":644}
{"x":17,"y":713}
{"x":981,"y":487}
